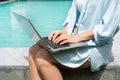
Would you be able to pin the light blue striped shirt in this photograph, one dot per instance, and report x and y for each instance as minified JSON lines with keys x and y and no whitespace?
{"x":103,"y":17}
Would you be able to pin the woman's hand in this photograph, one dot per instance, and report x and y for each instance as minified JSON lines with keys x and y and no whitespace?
{"x":66,"y":38}
{"x":63,"y":38}
{"x":55,"y":34}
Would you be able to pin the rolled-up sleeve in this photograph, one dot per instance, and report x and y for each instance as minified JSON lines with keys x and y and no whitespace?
{"x":106,"y":29}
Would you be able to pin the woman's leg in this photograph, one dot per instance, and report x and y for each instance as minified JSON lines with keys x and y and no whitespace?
{"x":32,"y":66}
{"x":43,"y":62}
{"x":46,"y":66}
{"x":42,"y":65}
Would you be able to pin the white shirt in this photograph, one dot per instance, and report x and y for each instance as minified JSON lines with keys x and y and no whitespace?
{"x":80,"y":4}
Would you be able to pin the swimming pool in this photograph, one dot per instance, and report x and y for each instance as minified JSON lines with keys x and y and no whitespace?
{"x":46,"y":16}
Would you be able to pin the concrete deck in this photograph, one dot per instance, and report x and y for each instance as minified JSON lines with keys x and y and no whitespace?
{"x":14,"y":65}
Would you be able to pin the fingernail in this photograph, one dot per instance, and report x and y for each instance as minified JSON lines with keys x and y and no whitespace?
{"x":60,"y":43}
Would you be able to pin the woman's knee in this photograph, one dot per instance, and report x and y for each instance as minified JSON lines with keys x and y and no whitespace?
{"x":40,"y":57}
{"x":34,"y":49}
{"x":31,"y":56}
{"x":44,"y":58}
{"x":45,"y":55}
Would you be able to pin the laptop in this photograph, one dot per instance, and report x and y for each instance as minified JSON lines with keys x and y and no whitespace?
{"x":43,"y":41}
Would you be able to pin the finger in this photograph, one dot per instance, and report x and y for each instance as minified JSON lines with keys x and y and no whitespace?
{"x":61,"y":39}
{"x":60,"y":36}
{"x":55,"y":40}
{"x":64,"y":42}
{"x":55,"y":36}
{"x":51,"y":35}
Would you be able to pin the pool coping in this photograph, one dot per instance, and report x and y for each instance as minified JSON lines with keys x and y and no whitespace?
{"x":20,"y":58}
{"x":17,"y":61}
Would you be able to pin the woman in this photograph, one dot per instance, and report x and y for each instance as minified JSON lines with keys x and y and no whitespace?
{"x":92,"y":20}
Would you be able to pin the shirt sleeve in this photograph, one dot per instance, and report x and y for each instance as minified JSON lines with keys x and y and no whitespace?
{"x":106,"y":29}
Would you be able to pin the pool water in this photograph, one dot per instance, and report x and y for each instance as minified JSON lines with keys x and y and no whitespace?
{"x":46,"y":16}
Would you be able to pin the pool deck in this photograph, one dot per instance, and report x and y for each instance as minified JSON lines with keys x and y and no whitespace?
{"x":14,"y":65}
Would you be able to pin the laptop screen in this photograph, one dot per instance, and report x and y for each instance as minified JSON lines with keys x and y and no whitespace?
{"x":28,"y":27}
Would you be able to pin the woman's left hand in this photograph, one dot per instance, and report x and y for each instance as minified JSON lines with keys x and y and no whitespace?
{"x":66,"y":38}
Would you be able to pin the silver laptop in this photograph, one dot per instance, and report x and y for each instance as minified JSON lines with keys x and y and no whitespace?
{"x":43,"y":41}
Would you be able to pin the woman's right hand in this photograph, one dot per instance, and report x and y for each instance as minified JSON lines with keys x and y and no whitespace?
{"x":53,"y":35}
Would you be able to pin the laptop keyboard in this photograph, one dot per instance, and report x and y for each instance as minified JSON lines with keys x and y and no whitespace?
{"x":53,"y":45}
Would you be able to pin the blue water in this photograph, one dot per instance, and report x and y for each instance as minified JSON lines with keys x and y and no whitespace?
{"x":46,"y":16}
